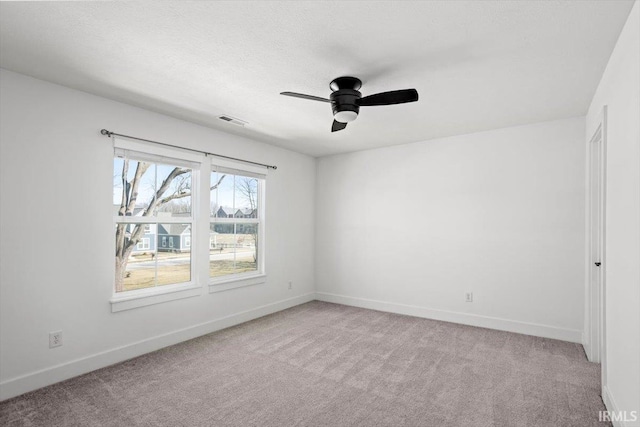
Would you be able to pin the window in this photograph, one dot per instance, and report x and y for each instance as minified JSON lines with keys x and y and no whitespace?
{"x":155,"y":195}
{"x":144,"y":243}
{"x":235,"y":240}
{"x":151,"y":193}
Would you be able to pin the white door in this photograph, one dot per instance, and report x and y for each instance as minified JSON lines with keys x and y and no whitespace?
{"x":595,"y":259}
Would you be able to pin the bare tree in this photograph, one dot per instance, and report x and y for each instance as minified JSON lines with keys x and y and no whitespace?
{"x":248,"y":189}
{"x":125,"y":244}
{"x":176,"y":207}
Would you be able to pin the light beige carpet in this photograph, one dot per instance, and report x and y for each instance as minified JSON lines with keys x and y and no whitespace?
{"x":322,"y":364}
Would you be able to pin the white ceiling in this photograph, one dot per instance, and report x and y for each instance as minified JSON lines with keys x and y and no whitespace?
{"x":477,"y":65}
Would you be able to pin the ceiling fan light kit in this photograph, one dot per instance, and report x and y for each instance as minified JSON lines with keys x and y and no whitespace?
{"x":346,"y":100}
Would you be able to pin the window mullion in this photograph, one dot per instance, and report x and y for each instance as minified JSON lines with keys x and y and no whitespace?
{"x":235,"y":229}
{"x":155,"y":192}
{"x":155,"y":283}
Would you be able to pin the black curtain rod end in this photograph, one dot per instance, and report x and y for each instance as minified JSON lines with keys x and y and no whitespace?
{"x":105,"y":132}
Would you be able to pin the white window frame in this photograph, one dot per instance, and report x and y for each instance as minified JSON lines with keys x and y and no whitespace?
{"x":187,"y":241}
{"x":140,"y":151}
{"x":201,"y":166}
{"x":232,"y":281}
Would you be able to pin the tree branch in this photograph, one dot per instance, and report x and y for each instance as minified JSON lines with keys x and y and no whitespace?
{"x":123,"y":200}
{"x":176,"y":172}
{"x":135,"y":183}
{"x":186,"y":194}
{"x":217,"y":184}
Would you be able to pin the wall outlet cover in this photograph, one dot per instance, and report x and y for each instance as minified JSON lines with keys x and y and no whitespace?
{"x":55,"y":339}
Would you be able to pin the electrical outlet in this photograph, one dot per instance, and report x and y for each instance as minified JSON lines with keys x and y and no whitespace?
{"x":468,"y":296}
{"x":55,"y":339}
{"x":290,"y":285}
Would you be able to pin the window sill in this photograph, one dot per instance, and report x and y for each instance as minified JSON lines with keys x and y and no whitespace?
{"x":144,"y":297}
{"x":236,"y":282}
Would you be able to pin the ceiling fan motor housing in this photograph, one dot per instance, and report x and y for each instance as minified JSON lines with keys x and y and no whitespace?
{"x":344,"y":104}
{"x":344,"y":98}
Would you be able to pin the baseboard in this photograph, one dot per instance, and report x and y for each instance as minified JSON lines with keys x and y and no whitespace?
{"x":585,"y":345}
{"x":612,"y":408}
{"x":25,"y":383}
{"x":609,"y":403}
{"x":534,"y":329}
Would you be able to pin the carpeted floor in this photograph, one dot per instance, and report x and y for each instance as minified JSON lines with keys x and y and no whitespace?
{"x":322,"y":364}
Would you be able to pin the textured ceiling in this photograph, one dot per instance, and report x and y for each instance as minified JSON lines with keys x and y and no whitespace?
{"x":477,"y":65}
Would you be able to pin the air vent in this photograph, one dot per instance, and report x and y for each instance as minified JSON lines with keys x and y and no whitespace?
{"x":233,"y":120}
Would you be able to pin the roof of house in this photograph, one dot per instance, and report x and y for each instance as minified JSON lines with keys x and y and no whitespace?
{"x":227,"y":210}
{"x":174,"y":229}
{"x":245,"y":211}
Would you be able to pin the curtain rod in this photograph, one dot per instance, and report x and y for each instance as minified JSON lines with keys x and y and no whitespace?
{"x":109,"y":133}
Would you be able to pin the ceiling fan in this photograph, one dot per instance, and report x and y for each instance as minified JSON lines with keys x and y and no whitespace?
{"x":346,"y":100}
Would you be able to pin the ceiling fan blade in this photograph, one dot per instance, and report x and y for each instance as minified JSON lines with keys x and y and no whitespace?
{"x":389,"y":98}
{"x":336,"y":126}
{"x":303,"y":96}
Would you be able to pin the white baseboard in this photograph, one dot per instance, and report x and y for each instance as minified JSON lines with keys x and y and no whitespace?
{"x":35,"y":380}
{"x":585,"y":345}
{"x":535,"y":329}
{"x":610,"y":403}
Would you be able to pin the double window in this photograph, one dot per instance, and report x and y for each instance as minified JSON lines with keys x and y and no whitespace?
{"x":163,"y":241}
{"x":144,"y":244}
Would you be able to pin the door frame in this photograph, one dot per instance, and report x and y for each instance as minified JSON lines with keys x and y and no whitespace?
{"x":595,"y":327}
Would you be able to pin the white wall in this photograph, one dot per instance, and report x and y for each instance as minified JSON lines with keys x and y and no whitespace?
{"x":411,"y":228}
{"x":56,"y":251}
{"x":619,"y":90}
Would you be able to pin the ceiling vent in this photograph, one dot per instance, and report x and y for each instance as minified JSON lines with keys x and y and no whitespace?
{"x":233,"y":120}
